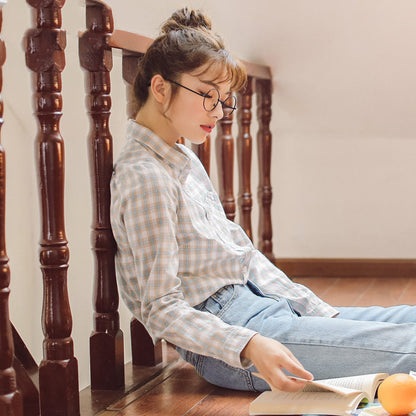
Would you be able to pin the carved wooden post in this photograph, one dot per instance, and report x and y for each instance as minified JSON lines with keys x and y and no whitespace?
{"x":106,"y":341}
{"x":58,"y":372}
{"x":225,"y":163}
{"x":244,"y":150}
{"x":203,"y":151}
{"x":142,"y":348}
{"x":11,"y":402}
{"x":264,"y":150}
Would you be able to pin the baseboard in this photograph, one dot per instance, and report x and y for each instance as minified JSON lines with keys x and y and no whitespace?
{"x":321,"y":267}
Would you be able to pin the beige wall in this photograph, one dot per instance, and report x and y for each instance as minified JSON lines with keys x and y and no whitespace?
{"x":343,"y":125}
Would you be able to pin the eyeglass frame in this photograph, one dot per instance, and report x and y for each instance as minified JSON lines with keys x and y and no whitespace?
{"x":205,"y":95}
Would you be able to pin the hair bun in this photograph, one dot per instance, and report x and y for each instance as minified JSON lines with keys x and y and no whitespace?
{"x":186,"y":18}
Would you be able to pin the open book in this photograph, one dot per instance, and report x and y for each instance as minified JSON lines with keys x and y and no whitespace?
{"x":335,"y":396}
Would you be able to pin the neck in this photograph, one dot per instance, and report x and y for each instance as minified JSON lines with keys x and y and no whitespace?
{"x":151,"y":117}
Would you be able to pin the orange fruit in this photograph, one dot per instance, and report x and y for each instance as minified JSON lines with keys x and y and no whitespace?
{"x":397,"y":394}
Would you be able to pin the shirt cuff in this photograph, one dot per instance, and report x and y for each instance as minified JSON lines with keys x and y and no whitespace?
{"x":236,"y":346}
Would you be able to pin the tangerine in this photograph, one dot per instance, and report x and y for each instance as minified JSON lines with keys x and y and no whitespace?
{"x":397,"y":394}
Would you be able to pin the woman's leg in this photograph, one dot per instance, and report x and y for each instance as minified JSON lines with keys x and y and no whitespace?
{"x":395,"y":314}
{"x":328,"y":347}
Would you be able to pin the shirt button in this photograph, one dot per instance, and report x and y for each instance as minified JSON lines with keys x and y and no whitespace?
{"x":210,"y":197}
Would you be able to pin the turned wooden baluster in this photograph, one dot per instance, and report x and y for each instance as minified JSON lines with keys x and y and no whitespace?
{"x":244,"y":151}
{"x":203,"y":151}
{"x":106,"y":341}
{"x":11,"y":402}
{"x":264,"y":150}
{"x":142,"y":348}
{"x":58,"y":371}
{"x":224,"y":146}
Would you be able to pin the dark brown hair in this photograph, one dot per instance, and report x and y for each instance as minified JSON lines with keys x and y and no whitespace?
{"x":185,"y":44}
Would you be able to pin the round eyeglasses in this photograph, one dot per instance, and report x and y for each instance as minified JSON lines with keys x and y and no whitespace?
{"x":212,"y":98}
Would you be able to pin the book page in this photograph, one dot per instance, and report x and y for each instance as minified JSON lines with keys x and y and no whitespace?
{"x":323,"y":385}
{"x":366,"y":383}
{"x":325,"y":403}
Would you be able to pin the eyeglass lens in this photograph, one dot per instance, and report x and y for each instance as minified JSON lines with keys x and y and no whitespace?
{"x":212,"y":98}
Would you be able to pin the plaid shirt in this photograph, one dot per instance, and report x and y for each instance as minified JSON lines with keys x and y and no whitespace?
{"x":175,"y":248}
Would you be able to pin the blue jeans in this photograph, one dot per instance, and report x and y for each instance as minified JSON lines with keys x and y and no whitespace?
{"x":358,"y":341}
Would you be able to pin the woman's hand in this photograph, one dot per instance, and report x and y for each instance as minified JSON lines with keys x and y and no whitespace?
{"x":270,"y":357}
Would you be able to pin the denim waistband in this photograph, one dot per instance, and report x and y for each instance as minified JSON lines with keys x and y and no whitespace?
{"x":221,"y":296}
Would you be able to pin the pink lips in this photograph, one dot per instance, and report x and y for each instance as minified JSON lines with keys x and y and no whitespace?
{"x":207,"y":128}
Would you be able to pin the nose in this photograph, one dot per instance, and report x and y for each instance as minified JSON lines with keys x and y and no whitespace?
{"x":218,"y":111}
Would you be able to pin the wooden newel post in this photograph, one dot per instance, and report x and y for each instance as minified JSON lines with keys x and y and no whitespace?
{"x":106,"y":341}
{"x":45,"y":56}
{"x":11,"y":403}
{"x":264,"y":150}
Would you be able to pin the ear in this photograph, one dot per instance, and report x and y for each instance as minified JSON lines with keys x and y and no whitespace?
{"x":160,"y":89}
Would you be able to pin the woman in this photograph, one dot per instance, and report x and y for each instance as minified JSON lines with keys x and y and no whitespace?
{"x":193,"y":277}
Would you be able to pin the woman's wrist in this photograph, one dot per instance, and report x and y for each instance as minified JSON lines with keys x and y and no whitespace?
{"x":246,"y":353}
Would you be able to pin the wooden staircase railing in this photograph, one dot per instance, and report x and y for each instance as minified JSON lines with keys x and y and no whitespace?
{"x":52,"y":389}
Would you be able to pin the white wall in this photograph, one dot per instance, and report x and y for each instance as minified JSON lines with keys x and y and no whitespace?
{"x":343,"y":124}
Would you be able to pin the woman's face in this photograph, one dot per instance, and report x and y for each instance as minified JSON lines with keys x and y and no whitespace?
{"x":186,"y":111}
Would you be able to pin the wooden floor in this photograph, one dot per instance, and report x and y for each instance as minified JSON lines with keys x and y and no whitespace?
{"x":179,"y":391}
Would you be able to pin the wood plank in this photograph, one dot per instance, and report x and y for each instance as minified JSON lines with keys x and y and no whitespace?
{"x":224,"y":402}
{"x":383,"y":292}
{"x":408,"y":295}
{"x":137,"y":394}
{"x":365,"y":291}
{"x":92,"y":402}
{"x":347,"y":291}
{"x":181,"y":392}
{"x":319,"y":285}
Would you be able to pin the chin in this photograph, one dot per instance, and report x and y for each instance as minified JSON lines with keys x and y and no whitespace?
{"x":197,"y":140}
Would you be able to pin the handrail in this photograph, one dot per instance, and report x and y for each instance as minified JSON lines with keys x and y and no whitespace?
{"x":122,"y":39}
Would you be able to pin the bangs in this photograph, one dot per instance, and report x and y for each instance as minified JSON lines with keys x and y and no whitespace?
{"x":225,"y":68}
